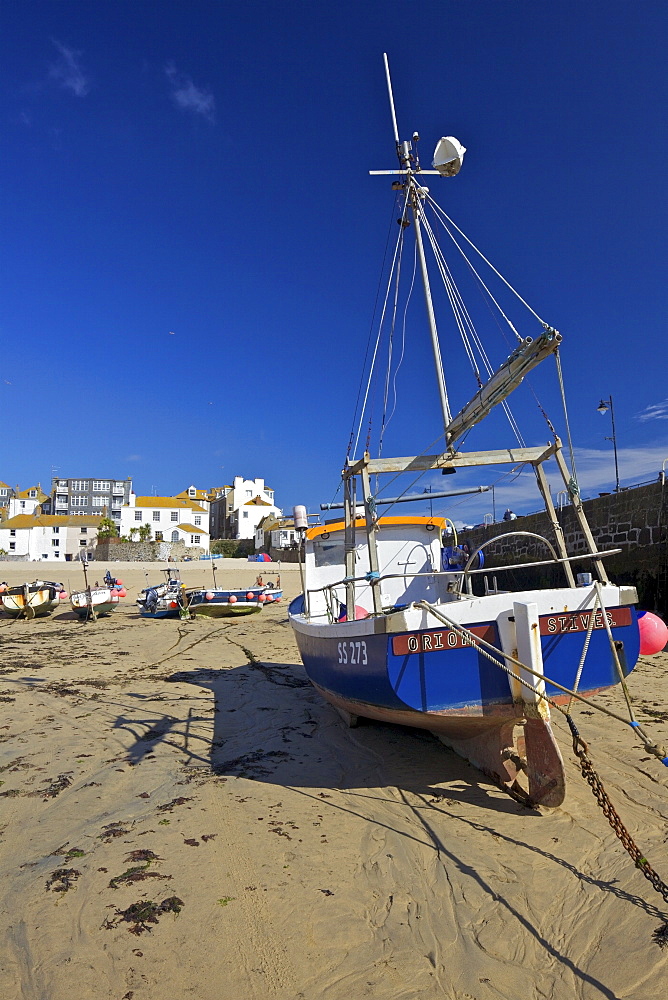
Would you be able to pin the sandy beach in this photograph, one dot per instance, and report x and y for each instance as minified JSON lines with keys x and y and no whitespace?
{"x":181,"y":815}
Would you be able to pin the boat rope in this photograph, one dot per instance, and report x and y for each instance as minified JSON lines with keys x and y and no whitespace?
{"x":446,"y":218}
{"x":580,"y":748}
{"x":585,"y":648}
{"x":465,"y":323}
{"x":368,"y":342}
{"x":396,"y":254}
{"x":386,"y":419}
{"x":573,"y":487}
{"x":658,"y":750}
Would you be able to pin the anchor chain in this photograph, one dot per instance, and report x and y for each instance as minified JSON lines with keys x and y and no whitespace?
{"x":589,"y":773}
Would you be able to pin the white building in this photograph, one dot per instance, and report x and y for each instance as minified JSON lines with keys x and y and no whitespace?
{"x":247,"y":502}
{"x":48,"y":536}
{"x":170,"y":519}
{"x":276,"y":533}
{"x":25,"y":501}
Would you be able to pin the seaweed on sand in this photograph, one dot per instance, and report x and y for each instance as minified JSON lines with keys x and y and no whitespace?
{"x":139,"y":915}
{"x":62,"y":879}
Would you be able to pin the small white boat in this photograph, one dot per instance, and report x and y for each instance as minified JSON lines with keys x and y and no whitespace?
{"x":95,"y":601}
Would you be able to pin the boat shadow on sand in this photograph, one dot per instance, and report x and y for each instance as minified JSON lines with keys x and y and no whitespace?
{"x":271,"y":726}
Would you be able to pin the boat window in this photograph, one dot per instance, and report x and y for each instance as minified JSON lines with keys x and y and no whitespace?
{"x":328,"y":552}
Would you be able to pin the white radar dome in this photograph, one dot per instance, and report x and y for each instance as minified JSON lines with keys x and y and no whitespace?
{"x":448,"y":156}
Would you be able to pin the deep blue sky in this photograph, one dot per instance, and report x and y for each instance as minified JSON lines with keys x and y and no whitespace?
{"x":191,"y":242}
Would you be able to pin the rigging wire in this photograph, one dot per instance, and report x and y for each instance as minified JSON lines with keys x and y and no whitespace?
{"x":443,"y":214}
{"x":397,"y":249}
{"x":403,"y":348}
{"x":371,"y":328}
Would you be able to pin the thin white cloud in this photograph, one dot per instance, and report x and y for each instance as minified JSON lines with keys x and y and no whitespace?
{"x":67,"y":71}
{"x":133,"y":458}
{"x":188,"y":97}
{"x":658,"y":411}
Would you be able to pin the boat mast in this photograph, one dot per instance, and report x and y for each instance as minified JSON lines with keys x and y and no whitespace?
{"x":414,"y":194}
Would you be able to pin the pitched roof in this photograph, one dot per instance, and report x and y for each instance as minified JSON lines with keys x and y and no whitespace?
{"x":52,"y":520}
{"x":257,"y":502}
{"x":191,"y":529}
{"x":24,"y":494}
{"x":173,"y":502}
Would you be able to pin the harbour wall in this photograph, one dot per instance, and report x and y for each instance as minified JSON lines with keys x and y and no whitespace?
{"x":633,"y":520}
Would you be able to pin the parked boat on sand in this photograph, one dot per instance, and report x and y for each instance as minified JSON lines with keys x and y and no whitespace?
{"x":32,"y":600}
{"x":396,"y":621}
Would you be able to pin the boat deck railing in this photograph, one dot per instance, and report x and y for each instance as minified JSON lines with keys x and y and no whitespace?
{"x":329,"y":588}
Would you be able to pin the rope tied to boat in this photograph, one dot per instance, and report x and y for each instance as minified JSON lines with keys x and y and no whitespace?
{"x":590,"y":775}
{"x":580,"y":748}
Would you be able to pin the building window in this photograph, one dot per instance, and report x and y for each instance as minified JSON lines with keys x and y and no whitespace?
{"x":137,"y":515}
{"x":158,"y":536}
{"x":82,"y":541}
{"x":3,"y":493}
{"x":174,"y":515}
{"x":55,"y":542}
{"x":79,"y":484}
{"x":175,"y":536}
{"x":79,"y":501}
{"x":195,"y":539}
{"x":198,"y":520}
{"x":55,"y":530}
{"x":100,"y":486}
{"x":156,"y":515}
{"x":32,"y":494}
{"x":12,"y":531}
{"x":84,"y":531}
{"x":12,"y":546}
{"x":244,"y":513}
{"x":23,"y":503}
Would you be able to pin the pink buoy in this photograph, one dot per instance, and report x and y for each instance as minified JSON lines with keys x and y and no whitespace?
{"x":261,"y":598}
{"x":360,"y":613}
{"x":250,"y":595}
{"x":231,"y":599}
{"x":209,"y":596}
{"x":63,"y":595}
{"x":122,"y":592}
{"x":173,"y":604}
{"x":653,"y":633}
{"x":119,"y":583}
{"x":268,"y":598}
{"x":114,"y":593}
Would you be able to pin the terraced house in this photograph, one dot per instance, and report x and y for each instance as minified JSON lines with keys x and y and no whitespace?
{"x":165,"y":519}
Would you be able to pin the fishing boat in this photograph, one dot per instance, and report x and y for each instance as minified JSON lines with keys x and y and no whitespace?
{"x":32,"y":600}
{"x":94,"y":601}
{"x":224,"y":602}
{"x":397,"y":620}
{"x":221,"y":602}
{"x":164,"y":600}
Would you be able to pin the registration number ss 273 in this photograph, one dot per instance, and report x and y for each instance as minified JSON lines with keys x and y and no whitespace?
{"x":353,"y":652}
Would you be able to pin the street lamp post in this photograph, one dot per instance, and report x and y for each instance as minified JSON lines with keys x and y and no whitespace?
{"x":428,"y":489}
{"x":603,"y":407}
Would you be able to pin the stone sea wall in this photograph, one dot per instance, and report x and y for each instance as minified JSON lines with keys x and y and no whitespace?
{"x":634,"y":520}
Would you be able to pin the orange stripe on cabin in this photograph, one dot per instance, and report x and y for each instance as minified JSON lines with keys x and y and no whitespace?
{"x":384,"y":522}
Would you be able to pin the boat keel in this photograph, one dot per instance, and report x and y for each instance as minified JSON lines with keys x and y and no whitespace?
{"x":514,"y":762}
